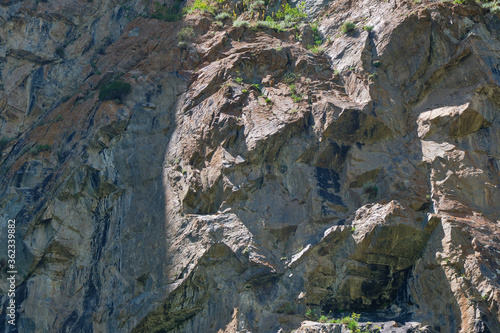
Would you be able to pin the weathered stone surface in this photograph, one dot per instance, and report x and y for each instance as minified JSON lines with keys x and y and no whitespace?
{"x":245,"y":180}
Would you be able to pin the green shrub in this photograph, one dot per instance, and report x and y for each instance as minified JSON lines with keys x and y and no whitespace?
{"x":287,"y":13}
{"x":492,"y":6}
{"x":114,"y":90}
{"x":268,"y":100}
{"x":367,"y":28}
{"x":167,"y":13}
{"x":222,"y":16}
{"x":316,"y":35}
{"x":257,"y":5}
{"x":377,"y":63}
{"x":348,"y":27}
{"x":296,"y":98}
{"x":255,"y":86}
{"x":201,"y":5}
{"x":289,"y":78}
{"x":185,"y":34}
{"x":316,"y":48}
{"x":265,"y":24}
{"x":241,"y":23}
{"x":311,"y":314}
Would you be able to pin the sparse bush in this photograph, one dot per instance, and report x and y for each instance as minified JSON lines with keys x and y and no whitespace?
{"x":377,"y":63}
{"x":257,"y":5}
{"x":368,"y":28}
{"x":167,"y":13}
{"x":241,"y":23}
{"x":348,"y":27}
{"x":373,"y":76}
{"x":185,"y":34}
{"x":316,"y":48}
{"x":222,"y":16}
{"x":265,"y":24}
{"x":289,"y":78}
{"x":311,"y":314}
{"x":492,"y":6}
{"x":287,"y":13}
{"x":255,"y":86}
{"x":114,"y":90}
{"x":296,"y":98}
{"x":316,"y":35}
{"x":201,"y":5}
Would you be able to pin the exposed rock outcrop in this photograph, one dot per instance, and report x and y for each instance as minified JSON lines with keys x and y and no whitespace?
{"x":246,"y":179}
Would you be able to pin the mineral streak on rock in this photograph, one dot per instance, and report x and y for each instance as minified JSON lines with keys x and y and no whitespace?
{"x":248,"y":179}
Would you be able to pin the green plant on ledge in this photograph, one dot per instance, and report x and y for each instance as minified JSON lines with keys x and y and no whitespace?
{"x":114,"y":90}
{"x":348,"y":26}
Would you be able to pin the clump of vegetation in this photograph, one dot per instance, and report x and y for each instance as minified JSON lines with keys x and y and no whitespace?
{"x":316,"y":35}
{"x":296,"y":98}
{"x":239,"y":80}
{"x":222,"y":16}
{"x":241,"y":23}
{"x":311,"y":314}
{"x":368,"y":28}
{"x":170,"y":13}
{"x":289,"y":78}
{"x":39,"y":149}
{"x":201,"y":5}
{"x":377,"y":63}
{"x":493,"y":6}
{"x":372,"y":76}
{"x":185,"y":34}
{"x":352,"y":321}
{"x":316,"y":48}
{"x":114,"y":90}
{"x":286,"y":18}
{"x":287,"y":13}
{"x":255,"y":86}
{"x":348,"y":26}
{"x":269,"y":101}
{"x":257,"y":5}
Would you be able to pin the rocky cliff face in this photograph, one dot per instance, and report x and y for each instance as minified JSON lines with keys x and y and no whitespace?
{"x":245,"y":179}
